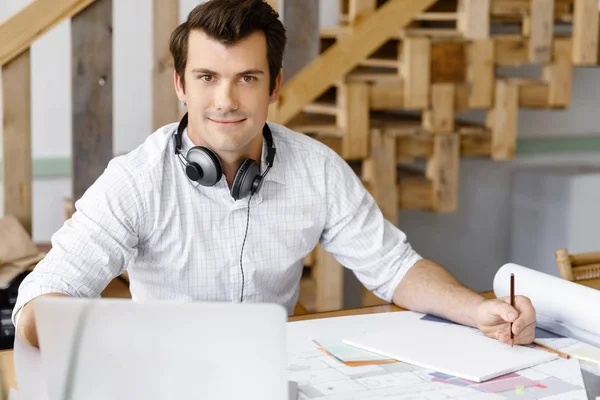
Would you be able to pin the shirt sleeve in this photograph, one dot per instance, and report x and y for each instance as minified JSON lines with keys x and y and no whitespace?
{"x":359,"y":237}
{"x":92,"y":247}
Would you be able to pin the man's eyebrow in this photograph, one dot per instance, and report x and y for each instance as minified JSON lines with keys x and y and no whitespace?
{"x":204,"y":71}
{"x":210,"y":72}
{"x":251,"y":72}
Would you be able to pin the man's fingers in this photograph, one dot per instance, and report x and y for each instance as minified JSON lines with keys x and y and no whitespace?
{"x":526,"y":314}
{"x":527,"y":335}
{"x":505,"y":311}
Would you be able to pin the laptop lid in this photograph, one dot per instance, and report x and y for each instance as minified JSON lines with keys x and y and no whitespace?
{"x":123,"y":349}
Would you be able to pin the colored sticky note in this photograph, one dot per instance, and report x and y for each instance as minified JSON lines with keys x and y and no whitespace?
{"x":539,"y":385}
{"x":520,"y":389}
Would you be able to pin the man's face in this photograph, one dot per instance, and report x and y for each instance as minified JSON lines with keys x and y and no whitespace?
{"x":226,"y":91}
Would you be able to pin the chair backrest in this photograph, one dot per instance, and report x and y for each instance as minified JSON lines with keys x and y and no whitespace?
{"x":578,"y":267}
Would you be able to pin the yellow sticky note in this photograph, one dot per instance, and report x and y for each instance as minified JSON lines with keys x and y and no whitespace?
{"x":520,"y":389}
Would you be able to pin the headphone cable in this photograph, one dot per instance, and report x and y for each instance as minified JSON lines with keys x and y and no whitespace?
{"x":243,"y":243}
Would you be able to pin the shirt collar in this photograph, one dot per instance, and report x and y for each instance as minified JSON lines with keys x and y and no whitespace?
{"x":276,"y":173}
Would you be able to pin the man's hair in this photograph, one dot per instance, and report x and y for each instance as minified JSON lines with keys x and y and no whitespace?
{"x":230,"y":21}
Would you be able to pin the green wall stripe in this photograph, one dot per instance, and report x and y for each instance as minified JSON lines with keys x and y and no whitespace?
{"x":56,"y":167}
{"x":577,"y":144}
{"x":50,"y":167}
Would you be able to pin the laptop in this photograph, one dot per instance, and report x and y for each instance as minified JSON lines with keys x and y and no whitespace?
{"x":123,"y":349}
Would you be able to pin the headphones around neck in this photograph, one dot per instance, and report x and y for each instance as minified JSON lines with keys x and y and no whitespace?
{"x":202,"y":165}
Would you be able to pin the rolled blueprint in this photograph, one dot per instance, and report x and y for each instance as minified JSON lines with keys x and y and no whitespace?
{"x":563,"y":307}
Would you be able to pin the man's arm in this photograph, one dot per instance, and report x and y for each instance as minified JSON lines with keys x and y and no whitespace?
{"x":26,"y":328}
{"x":429,"y":288}
{"x":90,"y":249}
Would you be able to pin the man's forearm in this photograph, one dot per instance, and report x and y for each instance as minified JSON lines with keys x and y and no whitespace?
{"x":429,"y":288}
{"x":26,"y":328}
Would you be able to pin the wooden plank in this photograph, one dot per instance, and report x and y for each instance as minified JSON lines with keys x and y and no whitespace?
{"x":541,"y":30}
{"x":415,"y":72}
{"x":360,"y":9}
{"x":504,"y":123}
{"x":584,"y":258}
{"x":534,"y":95}
{"x":369,"y":299}
{"x":422,"y":146}
{"x":7,"y":369}
{"x":343,"y":56}
{"x":91,"y":34}
{"x":414,"y":146}
{"x":329,"y":278}
{"x":474,"y":18}
{"x":353,"y":119}
{"x":585,"y":32}
{"x":462,"y":93}
{"x":274,"y":4}
{"x":481,"y":73}
{"x":38,"y":17}
{"x":479,"y":145}
{"x":448,"y":62}
{"x":511,"y":50}
{"x":387,"y":95}
{"x":440,"y":117}
{"x":443,"y":170}
{"x":513,"y":10}
{"x":415,"y":193}
{"x":437,"y":16}
{"x":322,"y":108}
{"x":385,"y":174}
{"x":559,"y":74}
{"x":16,"y":139}
{"x":301,"y":20}
{"x":165,"y":104}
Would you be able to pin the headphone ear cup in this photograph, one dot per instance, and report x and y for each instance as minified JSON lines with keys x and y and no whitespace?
{"x":204,"y":165}
{"x":244,"y":179}
{"x":193,"y":171}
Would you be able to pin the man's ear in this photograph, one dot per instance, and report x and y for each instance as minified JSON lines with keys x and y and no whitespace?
{"x":275,"y":94}
{"x":179,"y":88}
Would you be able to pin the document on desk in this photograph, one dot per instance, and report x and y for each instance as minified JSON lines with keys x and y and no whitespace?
{"x":451,"y":349}
{"x":566,"y":308}
{"x":321,"y":376}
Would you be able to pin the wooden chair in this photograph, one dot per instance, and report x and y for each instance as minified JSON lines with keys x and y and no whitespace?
{"x":578,"y":267}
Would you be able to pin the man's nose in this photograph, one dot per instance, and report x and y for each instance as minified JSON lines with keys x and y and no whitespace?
{"x":226,"y":97}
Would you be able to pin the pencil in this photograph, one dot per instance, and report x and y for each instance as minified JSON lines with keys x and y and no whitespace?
{"x":512,"y":303}
{"x":551,"y":350}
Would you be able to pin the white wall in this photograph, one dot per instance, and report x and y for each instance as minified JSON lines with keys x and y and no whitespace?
{"x":473,"y":243}
{"x":477,"y":240}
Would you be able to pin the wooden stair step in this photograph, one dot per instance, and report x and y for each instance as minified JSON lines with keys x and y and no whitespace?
{"x":315,"y":124}
{"x":372,"y":75}
{"x":381,"y":63}
{"x":533,"y":93}
{"x":324,"y":108}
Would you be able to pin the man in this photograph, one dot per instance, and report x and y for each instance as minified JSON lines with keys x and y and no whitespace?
{"x":224,"y":207}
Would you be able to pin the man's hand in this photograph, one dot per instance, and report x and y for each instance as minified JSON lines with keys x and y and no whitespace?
{"x":494,"y":317}
{"x":26,"y":329}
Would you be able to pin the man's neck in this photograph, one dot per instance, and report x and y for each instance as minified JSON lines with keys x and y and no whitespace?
{"x":231,"y":160}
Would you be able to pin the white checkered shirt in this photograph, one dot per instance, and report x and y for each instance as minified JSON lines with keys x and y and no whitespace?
{"x":181,"y":240}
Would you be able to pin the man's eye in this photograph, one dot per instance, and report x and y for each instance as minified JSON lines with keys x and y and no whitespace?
{"x":206,"y":78}
{"x":248,"y":79}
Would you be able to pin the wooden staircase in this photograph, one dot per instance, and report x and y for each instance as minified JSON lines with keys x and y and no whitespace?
{"x":384,"y":93}
{"x":391,"y":110}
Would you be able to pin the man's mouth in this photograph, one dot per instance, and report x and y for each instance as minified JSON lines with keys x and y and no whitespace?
{"x":227,"y":121}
